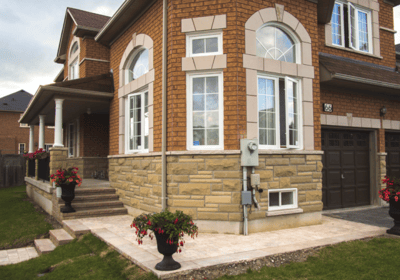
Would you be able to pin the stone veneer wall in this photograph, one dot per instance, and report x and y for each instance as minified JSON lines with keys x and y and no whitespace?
{"x":88,"y":165}
{"x":208,"y":187}
{"x":137,"y":180}
{"x":58,"y":159}
{"x":40,"y":192}
{"x":381,"y":170}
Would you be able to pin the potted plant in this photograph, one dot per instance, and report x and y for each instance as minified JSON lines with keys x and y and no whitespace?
{"x":391,"y":194}
{"x":67,"y":179}
{"x":169,"y":230}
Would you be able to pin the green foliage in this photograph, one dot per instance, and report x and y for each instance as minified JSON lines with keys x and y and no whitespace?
{"x":66,"y":176}
{"x":175,"y":225}
{"x":20,"y":223}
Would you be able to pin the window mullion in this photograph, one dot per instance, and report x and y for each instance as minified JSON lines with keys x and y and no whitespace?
{"x":277,"y":114}
{"x":287,"y":112}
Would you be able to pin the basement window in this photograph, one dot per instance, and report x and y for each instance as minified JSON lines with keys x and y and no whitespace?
{"x":282,"y":199}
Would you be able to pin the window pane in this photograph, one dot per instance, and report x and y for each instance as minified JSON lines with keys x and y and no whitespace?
{"x":266,"y":37}
{"x":363,"y":31}
{"x":261,"y":50}
{"x":212,"y":102}
{"x":262,"y":119}
{"x":198,"y":137}
{"x":139,"y":65}
{"x":212,"y":45}
{"x":198,"y":120}
{"x":292,"y":106}
{"x":198,"y":46}
{"x":353,"y":26}
{"x":198,"y":102}
{"x":212,"y":119}
{"x":212,"y":136}
{"x":271,"y":137}
{"x":198,"y":85}
{"x":266,"y":111}
{"x":263,"y":136}
{"x":212,"y":84}
{"x":337,"y":25}
{"x":272,"y":42}
{"x":282,"y":112}
{"x":287,"y":198}
{"x":274,"y":199}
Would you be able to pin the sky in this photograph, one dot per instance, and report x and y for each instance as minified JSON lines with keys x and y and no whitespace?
{"x":30,"y":31}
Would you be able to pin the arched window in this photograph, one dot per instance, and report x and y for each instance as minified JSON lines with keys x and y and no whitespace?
{"x":274,"y":43}
{"x":74,"y":60}
{"x":74,"y":48}
{"x":139,"y":65}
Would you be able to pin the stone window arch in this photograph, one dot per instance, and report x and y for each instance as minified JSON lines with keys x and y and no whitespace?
{"x":299,"y":71}
{"x":133,"y":82}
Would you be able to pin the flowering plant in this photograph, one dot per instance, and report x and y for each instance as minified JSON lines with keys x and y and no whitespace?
{"x":38,"y":154}
{"x":392,"y":190}
{"x":175,"y":225}
{"x":66,"y":176}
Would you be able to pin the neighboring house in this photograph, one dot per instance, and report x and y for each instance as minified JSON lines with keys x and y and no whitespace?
{"x":314,"y":82}
{"x":14,"y":136}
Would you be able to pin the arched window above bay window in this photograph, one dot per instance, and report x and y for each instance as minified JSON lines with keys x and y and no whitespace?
{"x":274,"y":42}
{"x":74,"y":48}
{"x":139,"y":65}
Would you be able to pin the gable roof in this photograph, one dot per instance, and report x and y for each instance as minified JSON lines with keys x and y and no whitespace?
{"x":17,"y":101}
{"x":86,"y":24}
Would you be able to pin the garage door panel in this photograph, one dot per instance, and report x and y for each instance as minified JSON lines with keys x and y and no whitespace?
{"x":394,"y":157}
{"x":345,"y":168}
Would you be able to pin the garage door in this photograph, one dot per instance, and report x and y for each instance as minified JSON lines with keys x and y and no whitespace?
{"x":346,"y":169}
{"x":392,"y":148}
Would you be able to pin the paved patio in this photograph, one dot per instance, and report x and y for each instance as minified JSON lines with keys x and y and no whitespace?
{"x":213,"y":249}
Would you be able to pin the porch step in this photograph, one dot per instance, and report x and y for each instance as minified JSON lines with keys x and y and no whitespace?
{"x":60,"y":237}
{"x":95,"y":213}
{"x":44,"y":246}
{"x":75,"y":228}
{"x":92,"y":198}
{"x":91,"y":191}
{"x":97,"y":205}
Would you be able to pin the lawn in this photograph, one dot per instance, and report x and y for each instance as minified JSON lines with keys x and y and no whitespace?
{"x":85,"y":258}
{"x":374,"y":259}
{"x":20,"y":223}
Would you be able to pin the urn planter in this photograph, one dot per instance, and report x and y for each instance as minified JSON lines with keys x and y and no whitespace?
{"x":394,"y":212}
{"x":68,"y":194}
{"x":168,"y":263}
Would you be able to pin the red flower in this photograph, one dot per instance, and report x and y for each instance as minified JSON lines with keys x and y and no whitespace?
{"x":176,"y":221}
{"x":149,"y":223}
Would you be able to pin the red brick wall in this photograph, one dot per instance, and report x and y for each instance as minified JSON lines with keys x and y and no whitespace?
{"x":91,"y":49}
{"x":150,"y":24}
{"x":94,"y":131}
{"x":11,"y":134}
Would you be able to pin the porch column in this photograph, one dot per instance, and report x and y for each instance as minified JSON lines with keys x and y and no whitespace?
{"x":31,"y":132}
{"x":58,"y":137}
{"x":41,"y":131}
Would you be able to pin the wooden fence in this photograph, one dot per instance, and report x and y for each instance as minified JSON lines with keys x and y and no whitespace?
{"x":12,"y":170}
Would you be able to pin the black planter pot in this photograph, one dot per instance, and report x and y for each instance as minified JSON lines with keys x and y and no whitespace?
{"x":68,"y":194}
{"x":394,"y":212}
{"x":168,"y":263}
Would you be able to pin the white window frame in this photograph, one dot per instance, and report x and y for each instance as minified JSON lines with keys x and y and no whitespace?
{"x":341,"y":26}
{"x":71,"y":139}
{"x":19,"y":148}
{"x":127,"y":114}
{"x":189,"y":110}
{"x":277,"y":146}
{"x":74,"y":70}
{"x":128,"y":63}
{"x":73,"y":60}
{"x":357,"y":30}
{"x":23,"y":124}
{"x":195,"y":36}
{"x":282,"y":207}
{"x":47,"y":149}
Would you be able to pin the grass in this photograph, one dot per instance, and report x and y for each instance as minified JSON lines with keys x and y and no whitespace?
{"x":20,"y":223}
{"x":373,"y":259}
{"x":86,"y":258}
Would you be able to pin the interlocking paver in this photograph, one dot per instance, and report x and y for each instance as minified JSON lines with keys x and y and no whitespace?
{"x":13,"y":256}
{"x":213,"y":249}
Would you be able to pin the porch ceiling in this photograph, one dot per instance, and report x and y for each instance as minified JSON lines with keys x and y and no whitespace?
{"x":76,"y":100}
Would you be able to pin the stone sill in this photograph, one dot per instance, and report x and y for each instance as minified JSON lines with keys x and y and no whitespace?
{"x":71,"y":158}
{"x":283,"y":212}
{"x":136,"y":155}
{"x":46,"y":187}
{"x":289,"y":152}
{"x":353,"y":51}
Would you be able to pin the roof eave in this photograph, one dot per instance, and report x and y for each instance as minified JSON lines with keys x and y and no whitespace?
{"x":83,"y":31}
{"x":325,"y":9}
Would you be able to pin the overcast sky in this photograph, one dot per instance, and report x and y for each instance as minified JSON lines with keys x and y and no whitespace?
{"x":30,"y":31}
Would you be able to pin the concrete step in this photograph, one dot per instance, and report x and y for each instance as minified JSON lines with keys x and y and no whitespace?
{"x":96,"y":205}
{"x":92,"y":198}
{"x":60,"y":237}
{"x":94,"y":213}
{"x":75,"y":228}
{"x":44,"y":246}
{"x":99,"y":191}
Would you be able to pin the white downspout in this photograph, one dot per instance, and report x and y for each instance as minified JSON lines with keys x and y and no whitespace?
{"x":164,"y":111}
{"x":245,"y":226}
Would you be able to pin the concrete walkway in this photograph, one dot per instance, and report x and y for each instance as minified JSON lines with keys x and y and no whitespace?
{"x":13,"y":256}
{"x":213,"y":249}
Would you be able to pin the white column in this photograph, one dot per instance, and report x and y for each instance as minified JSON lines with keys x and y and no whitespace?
{"x":31,"y":133}
{"x":58,"y":137}
{"x":41,"y":131}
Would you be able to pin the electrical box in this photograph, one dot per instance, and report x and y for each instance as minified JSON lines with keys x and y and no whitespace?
{"x":249,"y":151}
{"x":246,"y":198}
{"x":255,"y":180}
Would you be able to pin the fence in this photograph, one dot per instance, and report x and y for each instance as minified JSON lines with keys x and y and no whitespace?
{"x":12,"y":170}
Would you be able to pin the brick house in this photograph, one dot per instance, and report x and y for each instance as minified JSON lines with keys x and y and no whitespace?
{"x":173,"y":87}
{"x":14,"y":137}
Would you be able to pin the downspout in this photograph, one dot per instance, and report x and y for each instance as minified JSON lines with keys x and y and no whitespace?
{"x":245,"y":222}
{"x":164,"y":111}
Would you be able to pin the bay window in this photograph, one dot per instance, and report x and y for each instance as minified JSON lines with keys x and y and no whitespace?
{"x":137,"y":122}
{"x":205,"y":112}
{"x":279,"y":112}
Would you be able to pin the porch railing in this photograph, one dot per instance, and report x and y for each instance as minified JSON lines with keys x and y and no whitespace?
{"x":31,"y":167}
{"x":44,"y":169}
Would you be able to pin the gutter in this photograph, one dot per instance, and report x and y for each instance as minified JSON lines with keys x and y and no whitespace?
{"x":365,"y":81}
{"x":164,"y":111}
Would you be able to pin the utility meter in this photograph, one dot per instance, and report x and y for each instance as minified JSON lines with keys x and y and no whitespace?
{"x":249,"y":151}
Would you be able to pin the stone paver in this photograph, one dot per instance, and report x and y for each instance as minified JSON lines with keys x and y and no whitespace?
{"x":14,"y":256}
{"x":212,"y":249}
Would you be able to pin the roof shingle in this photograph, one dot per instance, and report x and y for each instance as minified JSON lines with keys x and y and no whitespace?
{"x":17,"y":101}
{"x":88,"y":19}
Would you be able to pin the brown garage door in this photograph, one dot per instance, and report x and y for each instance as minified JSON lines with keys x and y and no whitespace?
{"x":392,"y":146}
{"x":346,"y":169}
